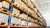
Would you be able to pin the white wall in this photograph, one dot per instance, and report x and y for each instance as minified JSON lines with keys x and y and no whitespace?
{"x":44,"y":6}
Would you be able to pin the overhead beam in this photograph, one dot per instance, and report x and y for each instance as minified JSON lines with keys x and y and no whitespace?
{"x":29,"y":4}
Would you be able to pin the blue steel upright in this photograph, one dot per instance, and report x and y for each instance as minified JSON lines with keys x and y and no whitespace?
{"x":10,"y":10}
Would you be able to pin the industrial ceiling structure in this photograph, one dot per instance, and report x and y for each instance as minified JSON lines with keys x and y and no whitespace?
{"x":25,"y":12}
